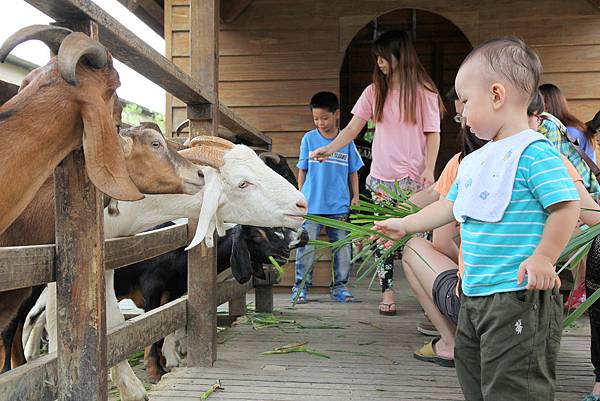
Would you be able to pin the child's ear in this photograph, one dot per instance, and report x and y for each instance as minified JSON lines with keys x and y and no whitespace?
{"x":498,"y":94}
{"x":337,"y":114}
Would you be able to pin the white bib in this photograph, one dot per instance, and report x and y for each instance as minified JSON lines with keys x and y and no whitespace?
{"x":486,"y":178}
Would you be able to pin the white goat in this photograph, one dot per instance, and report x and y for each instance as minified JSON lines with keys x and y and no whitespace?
{"x":244,"y":191}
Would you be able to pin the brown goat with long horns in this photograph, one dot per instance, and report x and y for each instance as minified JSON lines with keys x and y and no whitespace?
{"x":60,"y":106}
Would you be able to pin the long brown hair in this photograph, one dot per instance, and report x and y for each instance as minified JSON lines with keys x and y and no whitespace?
{"x":556,"y":104}
{"x":397,"y":45}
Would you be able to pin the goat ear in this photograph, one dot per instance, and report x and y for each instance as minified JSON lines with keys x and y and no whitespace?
{"x":208,"y":211}
{"x":240,"y":263}
{"x":104,"y":160}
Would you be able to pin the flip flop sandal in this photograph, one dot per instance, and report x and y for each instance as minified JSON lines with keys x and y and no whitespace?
{"x":342,"y":296}
{"x":302,"y":298}
{"x":388,"y":312}
{"x":427,"y":354}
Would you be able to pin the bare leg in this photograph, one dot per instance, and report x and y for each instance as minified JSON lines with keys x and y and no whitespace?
{"x":421,"y":277}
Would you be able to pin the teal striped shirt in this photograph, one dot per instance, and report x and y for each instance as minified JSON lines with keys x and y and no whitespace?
{"x":493,"y":252}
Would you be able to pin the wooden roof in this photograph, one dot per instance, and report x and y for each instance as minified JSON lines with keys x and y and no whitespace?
{"x":151,"y":12}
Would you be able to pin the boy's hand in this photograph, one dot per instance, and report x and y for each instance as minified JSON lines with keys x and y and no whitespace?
{"x":320,"y":154}
{"x":355,"y":200}
{"x":393,"y":228}
{"x":540,"y":271}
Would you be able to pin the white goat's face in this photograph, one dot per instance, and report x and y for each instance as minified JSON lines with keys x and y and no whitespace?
{"x":254,"y":194}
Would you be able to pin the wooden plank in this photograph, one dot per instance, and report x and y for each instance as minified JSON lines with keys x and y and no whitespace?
{"x":130,"y":49}
{"x":272,"y":67}
{"x":287,"y":143}
{"x":584,"y":58}
{"x":269,"y":41}
{"x":35,"y":380}
{"x":138,"y":55}
{"x":81,"y":317}
{"x":28,"y":266}
{"x":565,"y":31}
{"x":232,"y":9}
{"x":274,"y":93}
{"x":231,"y":289}
{"x":245,"y":131}
{"x":136,"y":333}
{"x":280,"y":119}
{"x":22,"y":267}
{"x":128,"y":250}
{"x":575,"y":85}
{"x":150,"y":12}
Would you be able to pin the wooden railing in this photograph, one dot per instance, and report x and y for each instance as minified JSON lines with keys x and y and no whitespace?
{"x":78,"y":260}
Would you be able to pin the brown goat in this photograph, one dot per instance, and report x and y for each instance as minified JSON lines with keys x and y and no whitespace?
{"x":154,"y":166}
{"x":46,"y":120}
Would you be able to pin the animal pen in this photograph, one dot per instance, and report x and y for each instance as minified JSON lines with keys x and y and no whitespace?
{"x":273,"y":56}
{"x":79,"y":258}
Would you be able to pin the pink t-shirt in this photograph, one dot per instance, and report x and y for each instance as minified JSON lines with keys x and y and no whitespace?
{"x":399,"y":147}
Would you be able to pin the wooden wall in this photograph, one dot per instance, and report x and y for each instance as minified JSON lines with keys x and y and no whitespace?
{"x":280,"y":52}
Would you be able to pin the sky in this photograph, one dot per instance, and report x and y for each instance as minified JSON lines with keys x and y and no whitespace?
{"x":16,"y":14}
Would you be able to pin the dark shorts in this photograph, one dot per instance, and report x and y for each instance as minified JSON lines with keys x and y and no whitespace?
{"x":444,"y":294}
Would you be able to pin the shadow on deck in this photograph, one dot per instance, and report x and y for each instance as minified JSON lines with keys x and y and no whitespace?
{"x":370,"y":357}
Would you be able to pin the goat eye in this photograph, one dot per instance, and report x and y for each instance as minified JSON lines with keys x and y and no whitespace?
{"x":243,"y":184}
{"x":156,"y":144}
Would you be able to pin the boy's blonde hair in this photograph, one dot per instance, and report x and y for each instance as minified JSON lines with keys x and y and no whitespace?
{"x":513,"y":60}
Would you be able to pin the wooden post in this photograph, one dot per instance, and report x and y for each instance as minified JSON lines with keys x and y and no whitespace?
{"x":81,"y":317}
{"x":80,"y":284}
{"x":237,"y":306}
{"x":204,"y":120}
{"x":263,"y":292}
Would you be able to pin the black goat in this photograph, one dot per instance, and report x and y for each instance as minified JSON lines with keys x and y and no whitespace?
{"x":156,"y":281}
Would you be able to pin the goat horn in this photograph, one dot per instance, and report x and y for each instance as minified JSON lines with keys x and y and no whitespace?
{"x":270,"y":155}
{"x":212,"y":141}
{"x":184,"y":124}
{"x":75,"y":46}
{"x":52,"y":36}
{"x":206,"y":155}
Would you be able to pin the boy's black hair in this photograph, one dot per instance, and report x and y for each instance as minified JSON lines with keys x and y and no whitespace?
{"x":536,"y":106}
{"x":325,"y":100}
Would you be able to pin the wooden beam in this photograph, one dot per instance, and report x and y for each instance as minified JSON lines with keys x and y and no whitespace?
{"x":202,"y":261}
{"x":143,"y":330}
{"x":138,"y":55}
{"x":150,"y":12}
{"x":232,"y":9}
{"x":27,"y":266}
{"x":128,"y":250}
{"x":35,"y":380}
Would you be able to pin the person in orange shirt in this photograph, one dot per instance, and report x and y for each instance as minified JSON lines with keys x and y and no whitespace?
{"x":433,"y":268}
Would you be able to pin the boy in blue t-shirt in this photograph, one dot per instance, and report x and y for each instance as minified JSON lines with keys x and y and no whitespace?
{"x":518,"y":207}
{"x":329,"y":187}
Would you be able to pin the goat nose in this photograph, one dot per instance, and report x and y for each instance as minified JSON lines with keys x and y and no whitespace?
{"x":301,"y":204}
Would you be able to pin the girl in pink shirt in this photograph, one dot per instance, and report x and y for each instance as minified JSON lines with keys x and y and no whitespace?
{"x":405,"y":105}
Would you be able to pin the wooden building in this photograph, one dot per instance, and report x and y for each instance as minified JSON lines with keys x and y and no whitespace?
{"x":275,"y":54}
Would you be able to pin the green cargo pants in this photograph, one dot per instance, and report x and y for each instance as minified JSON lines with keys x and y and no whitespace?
{"x":507,"y":345}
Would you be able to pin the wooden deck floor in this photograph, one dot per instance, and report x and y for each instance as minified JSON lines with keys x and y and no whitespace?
{"x":370,"y":358}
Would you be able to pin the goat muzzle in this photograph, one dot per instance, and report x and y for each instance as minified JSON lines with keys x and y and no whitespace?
{"x":73,"y":48}
{"x":51,"y":35}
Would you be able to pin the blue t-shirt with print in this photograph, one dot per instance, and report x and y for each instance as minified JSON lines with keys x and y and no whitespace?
{"x":326,"y":186}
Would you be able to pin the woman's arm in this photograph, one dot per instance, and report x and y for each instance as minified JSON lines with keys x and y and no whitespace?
{"x":345,"y":136}
{"x":432,"y":145}
{"x":425,"y":196}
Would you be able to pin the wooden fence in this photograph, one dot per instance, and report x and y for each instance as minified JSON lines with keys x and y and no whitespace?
{"x":78,"y":260}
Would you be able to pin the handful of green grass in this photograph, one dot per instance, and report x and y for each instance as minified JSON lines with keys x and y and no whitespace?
{"x":360,"y":226}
